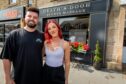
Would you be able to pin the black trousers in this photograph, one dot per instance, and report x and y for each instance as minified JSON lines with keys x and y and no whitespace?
{"x":54,"y":75}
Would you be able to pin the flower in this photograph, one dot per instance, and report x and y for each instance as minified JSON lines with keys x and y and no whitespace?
{"x":86,"y":47}
{"x":79,"y":47}
{"x":76,"y":44}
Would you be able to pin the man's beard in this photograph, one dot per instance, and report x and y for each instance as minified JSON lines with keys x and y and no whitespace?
{"x":31,"y":24}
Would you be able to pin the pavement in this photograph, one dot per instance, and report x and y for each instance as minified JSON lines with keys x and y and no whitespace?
{"x":86,"y":74}
{"x":2,"y":81}
{"x":89,"y":75}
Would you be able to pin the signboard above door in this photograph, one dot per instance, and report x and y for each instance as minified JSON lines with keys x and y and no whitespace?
{"x":65,"y":10}
{"x":80,"y":8}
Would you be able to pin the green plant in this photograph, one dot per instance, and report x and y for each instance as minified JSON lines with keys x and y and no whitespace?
{"x":97,"y":53}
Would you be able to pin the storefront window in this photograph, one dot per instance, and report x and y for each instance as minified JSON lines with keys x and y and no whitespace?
{"x":5,"y":28}
{"x":13,"y":1}
{"x":2,"y":34}
{"x":10,"y":27}
{"x":76,"y":32}
{"x":45,"y":20}
{"x":29,"y":2}
{"x":75,"y":29}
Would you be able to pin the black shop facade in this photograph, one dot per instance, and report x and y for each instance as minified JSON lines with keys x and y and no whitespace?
{"x":10,"y":19}
{"x":83,"y":22}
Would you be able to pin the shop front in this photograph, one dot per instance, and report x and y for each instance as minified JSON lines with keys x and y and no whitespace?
{"x":10,"y":19}
{"x":84,"y":22}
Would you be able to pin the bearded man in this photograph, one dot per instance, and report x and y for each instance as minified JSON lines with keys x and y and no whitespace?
{"x":23,"y":50}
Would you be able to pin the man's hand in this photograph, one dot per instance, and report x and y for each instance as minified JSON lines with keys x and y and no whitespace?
{"x":9,"y":81}
{"x":12,"y":81}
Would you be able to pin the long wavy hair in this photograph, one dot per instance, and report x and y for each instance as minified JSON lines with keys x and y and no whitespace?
{"x":48,"y":37}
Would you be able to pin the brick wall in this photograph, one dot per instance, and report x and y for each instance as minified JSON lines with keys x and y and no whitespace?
{"x":115,"y":35}
{"x":50,"y":3}
{"x":5,"y":3}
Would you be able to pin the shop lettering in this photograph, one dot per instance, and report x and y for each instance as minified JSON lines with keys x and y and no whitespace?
{"x":67,"y":9}
{"x":11,"y":14}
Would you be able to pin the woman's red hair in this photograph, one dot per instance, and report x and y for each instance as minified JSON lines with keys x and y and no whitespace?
{"x":46,"y":33}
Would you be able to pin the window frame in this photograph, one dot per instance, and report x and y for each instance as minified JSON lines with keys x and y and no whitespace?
{"x":30,"y":2}
{"x":12,"y":1}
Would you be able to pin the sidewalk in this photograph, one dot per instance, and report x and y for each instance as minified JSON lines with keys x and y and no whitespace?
{"x":1,"y":73}
{"x":87,"y":75}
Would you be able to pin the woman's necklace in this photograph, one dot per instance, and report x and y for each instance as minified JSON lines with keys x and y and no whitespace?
{"x":55,"y":45}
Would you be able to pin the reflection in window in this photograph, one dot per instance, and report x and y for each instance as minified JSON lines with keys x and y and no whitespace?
{"x":75,"y":30}
{"x":5,"y":28}
{"x":10,"y":27}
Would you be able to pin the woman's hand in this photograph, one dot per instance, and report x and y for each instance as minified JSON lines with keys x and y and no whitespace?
{"x":67,"y":61}
{"x":66,"y":81}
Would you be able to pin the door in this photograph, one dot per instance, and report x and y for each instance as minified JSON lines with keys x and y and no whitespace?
{"x":98,"y":28}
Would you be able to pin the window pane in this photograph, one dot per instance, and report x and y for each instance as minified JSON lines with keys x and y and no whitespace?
{"x":30,"y":2}
{"x":13,"y":1}
{"x":75,"y":29}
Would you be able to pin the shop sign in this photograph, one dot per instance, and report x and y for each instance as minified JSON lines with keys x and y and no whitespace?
{"x":79,"y":8}
{"x":12,"y":13}
{"x":64,"y":10}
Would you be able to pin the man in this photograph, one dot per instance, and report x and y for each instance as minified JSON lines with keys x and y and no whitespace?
{"x":23,"y":48}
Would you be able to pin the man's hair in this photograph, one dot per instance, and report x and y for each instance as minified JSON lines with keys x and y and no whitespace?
{"x":33,"y":9}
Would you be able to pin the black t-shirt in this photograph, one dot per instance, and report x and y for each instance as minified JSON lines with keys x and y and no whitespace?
{"x":24,"y":49}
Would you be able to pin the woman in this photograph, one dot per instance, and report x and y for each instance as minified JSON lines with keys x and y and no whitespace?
{"x":57,"y":52}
